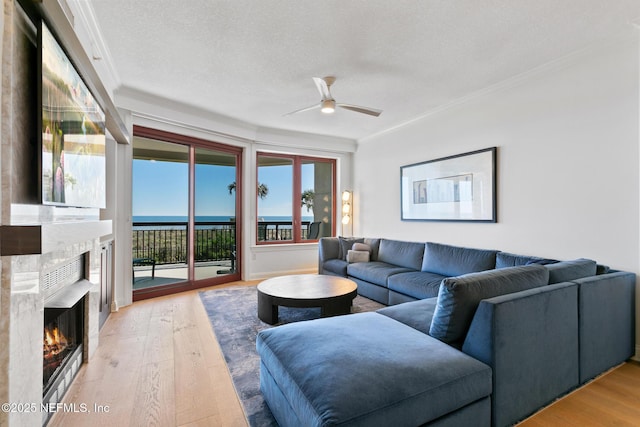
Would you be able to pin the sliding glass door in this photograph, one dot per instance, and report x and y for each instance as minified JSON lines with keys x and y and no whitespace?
{"x":185,"y":213}
{"x":160,"y":201}
{"x":215,"y":214}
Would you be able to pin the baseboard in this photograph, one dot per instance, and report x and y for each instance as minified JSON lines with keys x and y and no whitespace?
{"x":270,"y":274}
{"x":637,"y":356}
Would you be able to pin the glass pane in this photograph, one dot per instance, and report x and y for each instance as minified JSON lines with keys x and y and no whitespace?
{"x":316,"y":199}
{"x":160,"y":210}
{"x":215,"y":214}
{"x":275,"y":189}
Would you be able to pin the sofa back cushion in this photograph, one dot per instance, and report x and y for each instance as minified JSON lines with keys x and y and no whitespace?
{"x":402,"y":254}
{"x":566,"y":271}
{"x":450,"y":261}
{"x":374,"y":247}
{"x":458,"y":297}
{"x":346,"y":244}
{"x":505,"y":259}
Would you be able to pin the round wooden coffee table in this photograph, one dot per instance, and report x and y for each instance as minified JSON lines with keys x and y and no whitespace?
{"x":334,"y":295}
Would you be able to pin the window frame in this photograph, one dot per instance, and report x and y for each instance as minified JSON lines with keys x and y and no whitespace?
{"x":296,"y":195}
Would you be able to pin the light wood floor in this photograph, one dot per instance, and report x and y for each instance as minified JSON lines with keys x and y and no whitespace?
{"x":159,"y":364}
{"x":613,"y":399}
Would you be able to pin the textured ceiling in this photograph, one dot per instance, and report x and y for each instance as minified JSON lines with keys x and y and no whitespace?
{"x":254,"y":60}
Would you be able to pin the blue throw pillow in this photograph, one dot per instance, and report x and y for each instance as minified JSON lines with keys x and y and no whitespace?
{"x":458,"y":297}
{"x":347,"y":244}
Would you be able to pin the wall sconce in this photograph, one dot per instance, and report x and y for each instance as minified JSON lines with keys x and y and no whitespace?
{"x":347,"y":214}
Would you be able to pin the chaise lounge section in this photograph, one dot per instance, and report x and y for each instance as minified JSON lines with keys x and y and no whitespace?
{"x":490,"y":348}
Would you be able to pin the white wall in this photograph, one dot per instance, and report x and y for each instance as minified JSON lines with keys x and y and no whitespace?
{"x":568,"y":162}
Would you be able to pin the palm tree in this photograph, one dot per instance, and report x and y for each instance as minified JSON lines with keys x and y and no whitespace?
{"x":307,"y":199}
{"x":263,"y":190}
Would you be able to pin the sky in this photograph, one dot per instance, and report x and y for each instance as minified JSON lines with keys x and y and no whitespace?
{"x":161,"y":189}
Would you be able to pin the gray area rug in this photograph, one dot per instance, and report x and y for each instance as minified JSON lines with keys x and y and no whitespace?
{"x":233,"y":313}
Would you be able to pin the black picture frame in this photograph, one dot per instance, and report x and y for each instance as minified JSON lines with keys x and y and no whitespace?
{"x":461,"y":187}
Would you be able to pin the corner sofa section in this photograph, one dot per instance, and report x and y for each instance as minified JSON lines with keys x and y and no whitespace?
{"x":489,"y":347}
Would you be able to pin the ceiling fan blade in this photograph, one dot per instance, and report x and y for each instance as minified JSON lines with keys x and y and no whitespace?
{"x":359,"y":109}
{"x":323,"y":88}
{"x":313,"y":107}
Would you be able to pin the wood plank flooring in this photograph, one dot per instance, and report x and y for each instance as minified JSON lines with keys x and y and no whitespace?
{"x":613,"y":399}
{"x":159,"y":364}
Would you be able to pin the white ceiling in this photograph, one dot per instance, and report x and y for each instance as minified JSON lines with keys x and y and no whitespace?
{"x":254,"y":60}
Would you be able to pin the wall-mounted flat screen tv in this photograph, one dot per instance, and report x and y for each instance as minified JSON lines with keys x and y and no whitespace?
{"x":73,"y":133}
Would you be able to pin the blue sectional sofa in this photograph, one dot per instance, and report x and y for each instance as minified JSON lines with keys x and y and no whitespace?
{"x":401,"y":271}
{"x":488,"y":345}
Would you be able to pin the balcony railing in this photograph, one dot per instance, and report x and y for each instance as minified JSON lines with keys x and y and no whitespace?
{"x":279,"y":230}
{"x":166,"y":242}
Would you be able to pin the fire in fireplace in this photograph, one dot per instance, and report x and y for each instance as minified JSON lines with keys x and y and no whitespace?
{"x":63,"y":332}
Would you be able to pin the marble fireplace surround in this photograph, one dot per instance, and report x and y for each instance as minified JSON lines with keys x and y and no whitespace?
{"x":65,"y":235}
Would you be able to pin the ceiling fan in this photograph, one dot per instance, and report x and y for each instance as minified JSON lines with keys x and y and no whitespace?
{"x":328,"y":105}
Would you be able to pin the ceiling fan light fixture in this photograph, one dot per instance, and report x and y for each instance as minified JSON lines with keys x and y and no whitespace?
{"x":328,"y":106}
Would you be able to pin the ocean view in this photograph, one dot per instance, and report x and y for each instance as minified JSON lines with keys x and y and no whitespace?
{"x":160,"y":218}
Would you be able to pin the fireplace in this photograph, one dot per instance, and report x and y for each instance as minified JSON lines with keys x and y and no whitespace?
{"x":62,"y":338}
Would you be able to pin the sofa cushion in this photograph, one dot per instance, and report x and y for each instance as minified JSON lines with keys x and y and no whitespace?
{"x":357,"y":256}
{"x":417,"y":314}
{"x":346,"y":244}
{"x":335,"y":266}
{"x":361,"y":247}
{"x":416,"y":284}
{"x":566,"y":271}
{"x":450,"y":261}
{"x":505,"y":259}
{"x":374,"y":272}
{"x":374,"y":245}
{"x":459,"y":297}
{"x":328,"y":248}
{"x":368,"y":369}
{"x":403,"y":254}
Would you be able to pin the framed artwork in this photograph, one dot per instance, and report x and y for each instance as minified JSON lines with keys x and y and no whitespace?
{"x":455,"y":188}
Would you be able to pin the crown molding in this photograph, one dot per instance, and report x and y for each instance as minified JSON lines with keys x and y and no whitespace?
{"x":99,"y":50}
{"x":57,"y":18}
{"x":147,"y":108}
